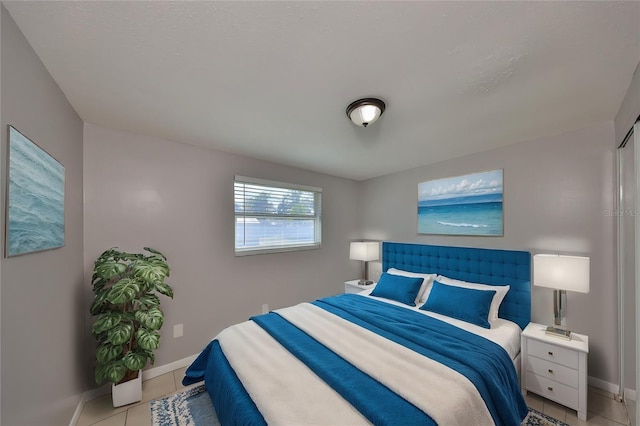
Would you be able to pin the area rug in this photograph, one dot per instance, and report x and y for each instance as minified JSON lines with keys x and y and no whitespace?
{"x":193,"y":407}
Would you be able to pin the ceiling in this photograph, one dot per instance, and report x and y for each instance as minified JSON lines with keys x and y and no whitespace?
{"x":272,"y":80}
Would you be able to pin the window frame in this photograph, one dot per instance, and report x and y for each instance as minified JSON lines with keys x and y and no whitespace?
{"x":317,"y":217}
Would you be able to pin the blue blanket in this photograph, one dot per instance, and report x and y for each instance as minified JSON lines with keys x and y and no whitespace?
{"x":233,"y":404}
{"x":484,"y":363}
{"x":378,"y":403}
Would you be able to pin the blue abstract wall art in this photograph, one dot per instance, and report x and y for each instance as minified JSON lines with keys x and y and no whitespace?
{"x":35,"y":198}
{"x":462,"y":205}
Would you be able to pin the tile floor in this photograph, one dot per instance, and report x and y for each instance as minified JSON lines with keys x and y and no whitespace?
{"x":100,"y":412}
{"x":603,"y":409}
{"x":631,"y":410}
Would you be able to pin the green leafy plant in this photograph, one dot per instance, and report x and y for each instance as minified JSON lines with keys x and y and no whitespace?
{"x":127,"y":310}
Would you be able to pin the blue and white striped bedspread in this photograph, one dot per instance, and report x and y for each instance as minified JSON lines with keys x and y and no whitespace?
{"x":353,"y":360}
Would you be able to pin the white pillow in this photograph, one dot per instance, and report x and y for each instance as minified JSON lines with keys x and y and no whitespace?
{"x":501,"y":292}
{"x":425,"y":288}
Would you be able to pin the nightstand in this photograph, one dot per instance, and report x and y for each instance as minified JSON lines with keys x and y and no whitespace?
{"x":555,"y":368}
{"x":353,"y":286}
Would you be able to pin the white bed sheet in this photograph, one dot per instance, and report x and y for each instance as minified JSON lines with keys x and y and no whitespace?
{"x":502,"y":332}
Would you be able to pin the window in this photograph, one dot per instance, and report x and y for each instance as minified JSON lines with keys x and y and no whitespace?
{"x":274,"y":216}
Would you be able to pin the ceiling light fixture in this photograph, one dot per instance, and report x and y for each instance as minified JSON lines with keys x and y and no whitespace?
{"x":365,"y":111}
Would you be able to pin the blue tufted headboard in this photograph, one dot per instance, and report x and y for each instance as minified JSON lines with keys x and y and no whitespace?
{"x":485,"y":266}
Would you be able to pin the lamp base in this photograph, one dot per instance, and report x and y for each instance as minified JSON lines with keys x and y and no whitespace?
{"x":365,"y":282}
{"x":560,"y":333}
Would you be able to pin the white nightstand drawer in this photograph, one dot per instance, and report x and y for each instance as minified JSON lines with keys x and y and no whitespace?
{"x":553,"y":353}
{"x":353,"y":286}
{"x":351,"y":289}
{"x":550,"y":370}
{"x":558,"y":392}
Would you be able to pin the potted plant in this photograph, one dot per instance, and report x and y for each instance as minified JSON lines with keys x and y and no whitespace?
{"x":127,"y":307}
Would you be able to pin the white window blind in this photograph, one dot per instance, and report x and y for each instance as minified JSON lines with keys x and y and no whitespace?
{"x":275,"y":216}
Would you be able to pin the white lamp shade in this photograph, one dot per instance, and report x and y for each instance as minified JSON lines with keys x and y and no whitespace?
{"x":569,"y":273}
{"x":365,"y":251}
{"x":365,"y":111}
{"x":365,"y":114}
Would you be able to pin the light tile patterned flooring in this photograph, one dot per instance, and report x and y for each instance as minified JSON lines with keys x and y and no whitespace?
{"x":603,"y":409}
{"x":100,"y":412}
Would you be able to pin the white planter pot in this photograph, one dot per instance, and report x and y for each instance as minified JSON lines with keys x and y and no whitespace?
{"x":127,"y":392}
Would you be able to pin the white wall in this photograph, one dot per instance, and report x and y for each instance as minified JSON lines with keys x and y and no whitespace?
{"x":557,"y":192}
{"x":142,"y":191}
{"x":42,"y":293}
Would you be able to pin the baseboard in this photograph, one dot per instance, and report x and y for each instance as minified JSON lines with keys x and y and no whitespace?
{"x":76,"y":414}
{"x":86,"y":397}
{"x":163,"y":369}
{"x":97,"y":392}
{"x":146,"y":375}
{"x":629,"y":394}
{"x":601,"y":384}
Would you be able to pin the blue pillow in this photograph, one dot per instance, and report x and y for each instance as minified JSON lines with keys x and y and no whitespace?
{"x":398,"y":288}
{"x":465,"y":304}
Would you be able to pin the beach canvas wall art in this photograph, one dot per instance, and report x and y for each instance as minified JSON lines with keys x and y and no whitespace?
{"x":462,"y":205}
{"x":35,"y":198}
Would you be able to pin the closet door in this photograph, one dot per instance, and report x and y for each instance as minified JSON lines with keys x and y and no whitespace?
{"x":636,"y":262}
{"x":628,"y":220}
{"x":627,"y":265}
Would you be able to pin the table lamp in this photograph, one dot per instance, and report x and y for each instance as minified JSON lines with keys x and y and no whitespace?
{"x":364,"y":251}
{"x":562,"y":274}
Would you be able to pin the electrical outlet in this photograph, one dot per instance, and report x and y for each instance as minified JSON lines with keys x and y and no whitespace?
{"x":178,"y":330}
{"x":265,"y":308}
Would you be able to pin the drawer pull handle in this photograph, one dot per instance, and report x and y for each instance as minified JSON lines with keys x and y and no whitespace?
{"x":550,"y":353}
{"x":550,"y":371}
{"x":550,"y":388}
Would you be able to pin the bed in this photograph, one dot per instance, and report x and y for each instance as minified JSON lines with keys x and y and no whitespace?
{"x":373,"y":358}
